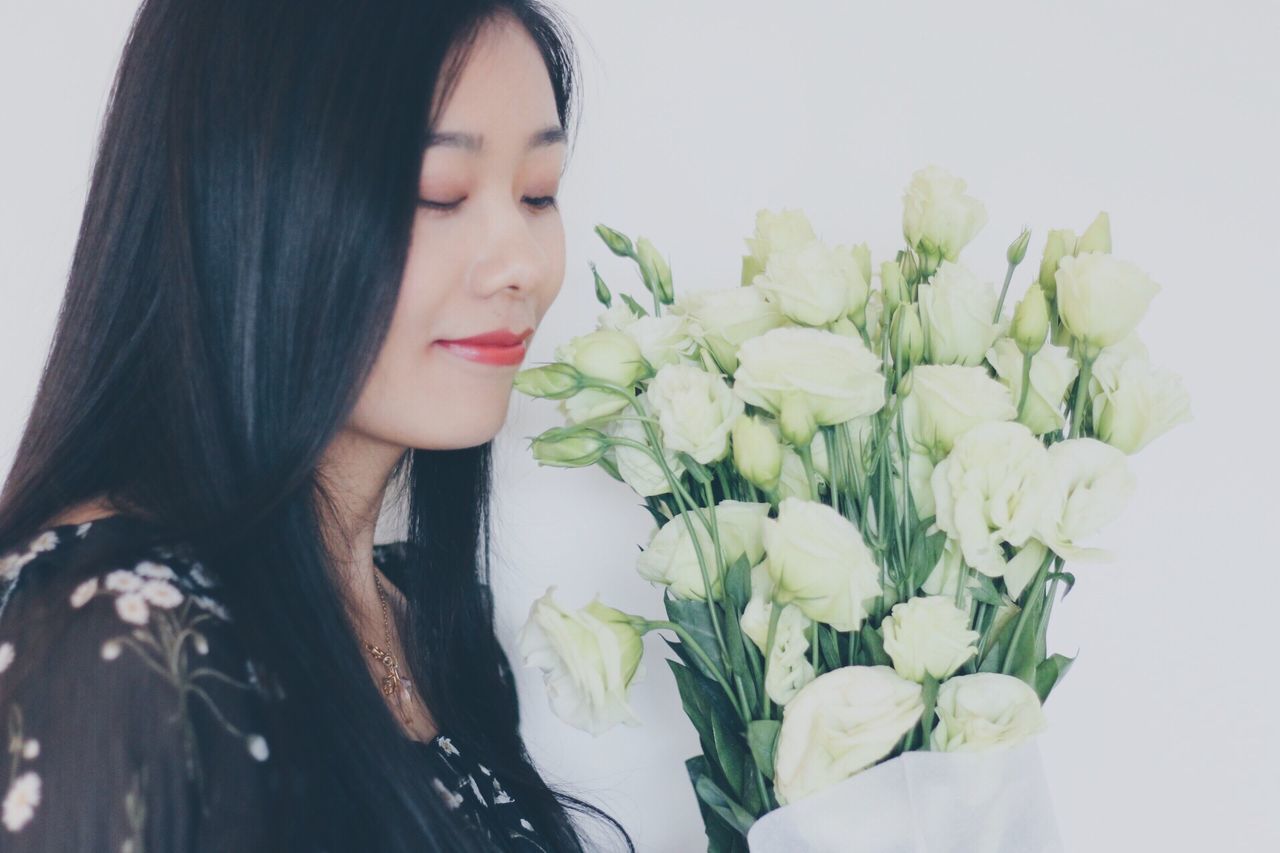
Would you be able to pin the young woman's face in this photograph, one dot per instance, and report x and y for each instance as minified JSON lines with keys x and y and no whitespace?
{"x":487,"y":253}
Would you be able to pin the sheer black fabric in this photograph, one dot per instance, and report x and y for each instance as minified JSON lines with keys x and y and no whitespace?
{"x":135,"y":722}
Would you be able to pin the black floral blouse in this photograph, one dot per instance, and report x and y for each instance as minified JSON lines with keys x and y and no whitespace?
{"x":173,"y":755}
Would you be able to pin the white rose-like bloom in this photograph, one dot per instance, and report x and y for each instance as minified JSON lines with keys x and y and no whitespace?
{"x":840,"y":723}
{"x":928,"y":634}
{"x":1091,"y":485}
{"x":664,"y":340}
{"x":1134,"y":402}
{"x":697,"y":411}
{"x":947,"y":400}
{"x":1052,"y":372}
{"x":819,"y":562}
{"x":778,"y":231}
{"x":605,"y":354}
{"x":837,"y":377}
{"x":789,"y":667}
{"x":992,"y":488}
{"x":638,"y":469}
{"x":985,"y":710}
{"x":670,"y":558}
{"x":617,"y":316}
{"x":590,"y":658}
{"x":1101,"y":298}
{"x":813,"y":284}
{"x":937,"y":215}
{"x":721,"y":320}
{"x":956,"y":310}
{"x":590,"y":404}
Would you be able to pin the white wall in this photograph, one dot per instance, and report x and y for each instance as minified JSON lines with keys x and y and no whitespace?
{"x":698,"y":114}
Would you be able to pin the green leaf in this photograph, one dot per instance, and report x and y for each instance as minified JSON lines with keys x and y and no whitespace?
{"x":873,"y":646}
{"x":1050,"y":672}
{"x":924,"y":555}
{"x":829,"y":647}
{"x":691,"y":698}
{"x":722,"y":837}
{"x":737,"y":582}
{"x":986,"y":591}
{"x":723,"y":805}
{"x":694,"y":617}
{"x":1066,"y":577}
{"x":762,"y":736}
{"x":635,"y":307}
{"x":929,"y":695}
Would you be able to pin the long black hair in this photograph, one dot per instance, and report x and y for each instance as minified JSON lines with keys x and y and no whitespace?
{"x":237,"y":265}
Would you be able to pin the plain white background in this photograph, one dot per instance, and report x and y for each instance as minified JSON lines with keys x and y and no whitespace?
{"x":696,"y":115}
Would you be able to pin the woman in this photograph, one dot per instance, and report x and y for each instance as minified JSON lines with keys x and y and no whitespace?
{"x":294,"y":208}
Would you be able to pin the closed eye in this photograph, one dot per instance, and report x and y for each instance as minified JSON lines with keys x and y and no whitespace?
{"x":538,"y":203}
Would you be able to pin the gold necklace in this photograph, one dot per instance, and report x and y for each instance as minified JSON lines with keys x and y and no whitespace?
{"x":393,"y":683}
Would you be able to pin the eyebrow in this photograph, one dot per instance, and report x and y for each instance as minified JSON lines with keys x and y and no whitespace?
{"x":474,"y":142}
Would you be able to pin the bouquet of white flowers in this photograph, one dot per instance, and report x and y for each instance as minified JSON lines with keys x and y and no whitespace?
{"x":864,"y":495}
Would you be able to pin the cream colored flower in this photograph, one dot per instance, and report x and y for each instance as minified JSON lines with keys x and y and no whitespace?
{"x":721,"y":320}
{"x":812,"y":284}
{"x":149,"y":569}
{"x":161,"y":593}
{"x":31,"y":749}
{"x":590,"y":658}
{"x":1134,"y":402}
{"x":818,"y":561}
{"x":122,"y":580}
{"x":21,"y":801}
{"x":840,"y":723}
{"x":696,"y":409}
{"x":789,"y":667}
{"x":944,"y":401}
{"x":1101,"y":298}
{"x":638,"y":468}
{"x":604,"y":354}
{"x":938,"y":218}
{"x":985,"y":710}
{"x":46,"y":541}
{"x":1052,"y":372}
{"x":671,"y":558}
{"x":110,"y":650}
{"x":778,"y":231}
{"x":836,"y":377}
{"x":1091,"y":485}
{"x":956,"y":311}
{"x":664,"y":340}
{"x":591,"y":403}
{"x":132,"y":607}
{"x":928,"y":634}
{"x":993,"y":487}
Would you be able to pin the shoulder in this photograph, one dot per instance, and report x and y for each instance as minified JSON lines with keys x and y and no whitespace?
{"x":120,"y":662}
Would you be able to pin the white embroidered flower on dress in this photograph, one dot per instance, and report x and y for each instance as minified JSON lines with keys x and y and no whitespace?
{"x":132,"y":607}
{"x":161,"y":593}
{"x":21,"y":801}
{"x":123,"y":580}
{"x":257,"y":745}
{"x":526,"y":824}
{"x":212,"y":606}
{"x":84,"y":592}
{"x":197,"y":574}
{"x":148,"y":569}
{"x":500,"y":796}
{"x":110,"y":650}
{"x":44,"y":542}
{"x":12,"y":564}
{"x":6,"y":655}
{"x":447,"y":746}
{"x":83,"y":529}
{"x":451,"y":800}
{"x":31,"y":749}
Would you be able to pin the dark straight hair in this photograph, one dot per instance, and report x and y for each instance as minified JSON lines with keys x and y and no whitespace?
{"x":237,"y":265}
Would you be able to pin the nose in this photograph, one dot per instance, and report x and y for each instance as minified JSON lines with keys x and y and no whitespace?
{"x":513,"y":259}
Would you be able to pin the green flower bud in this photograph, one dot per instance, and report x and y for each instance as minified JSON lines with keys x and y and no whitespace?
{"x":906,"y":336}
{"x":1031,"y":320}
{"x":862,"y":254}
{"x":1018,"y":248}
{"x":606,"y":354}
{"x":910,"y":269}
{"x":625,"y":628}
{"x":756,"y":453}
{"x":556,"y":381}
{"x":893,"y":287}
{"x":1060,"y":243}
{"x":796,"y":420}
{"x":569,"y":447}
{"x":1097,"y":237}
{"x":655,"y":271}
{"x":602,"y":289}
{"x":751,"y":267}
{"x":617,"y":242}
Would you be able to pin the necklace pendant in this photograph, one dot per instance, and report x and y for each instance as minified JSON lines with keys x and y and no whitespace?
{"x":388,"y":685}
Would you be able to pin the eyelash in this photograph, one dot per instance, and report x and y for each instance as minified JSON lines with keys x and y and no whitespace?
{"x":544,"y":203}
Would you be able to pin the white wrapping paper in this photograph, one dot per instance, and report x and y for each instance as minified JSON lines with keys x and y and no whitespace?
{"x":994,"y":801}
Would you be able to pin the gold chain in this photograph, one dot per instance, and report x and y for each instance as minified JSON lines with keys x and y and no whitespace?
{"x":392,"y":683}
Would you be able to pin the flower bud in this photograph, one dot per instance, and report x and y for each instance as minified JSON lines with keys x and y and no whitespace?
{"x":1018,"y":248}
{"x":862,"y":254}
{"x":893,"y":287}
{"x":906,"y":339}
{"x":606,"y":354}
{"x":617,"y":242}
{"x":602,"y":290}
{"x":555,"y":381}
{"x":910,"y":268}
{"x":1097,"y":237}
{"x":751,"y":267}
{"x":655,"y":270}
{"x":756,"y":453}
{"x":1060,"y":243}
{"x":1031,"y":320}
{"x":796,"y":420}
{"x":569,"y":447}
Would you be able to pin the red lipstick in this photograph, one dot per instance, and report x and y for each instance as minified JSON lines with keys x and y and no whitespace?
{"x":500,"y":346}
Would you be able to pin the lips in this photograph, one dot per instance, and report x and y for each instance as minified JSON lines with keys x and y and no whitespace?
{"x":498,"y":347}
{"x":496,"y":338}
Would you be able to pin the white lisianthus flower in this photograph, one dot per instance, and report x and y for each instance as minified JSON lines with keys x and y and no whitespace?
{"x":945,"y":401}
{"x":985,"y":710}
{"x":1052,"y":372}
{"x":928,"y":634}
{"x":992,"y":488}
{"x":721,"y":320}
{"x":606,"y":354}
{"x":938,"y":218}
{"x":1091,"y":485}
{"x":840,"y":723}
{"x":836,"y":378}
{"x":819,"y":562}
{"x":812,"y":284}
{"x":789,"y":666}
{"x":590,"y":658}
{"x":956,"y":311}
{"x":1134,"y":402}
{"x":778,"y":231}
{"x":1101,"y":298}
{"x":664,"y":340}
{"x":617,"y":317}
{"x":638,"y":468}
{"x":672,"y":560}
{"x":590,"y":404}
{"x":793,"y":480}
{"x":947,"y":575}
{"x":697,"y":411}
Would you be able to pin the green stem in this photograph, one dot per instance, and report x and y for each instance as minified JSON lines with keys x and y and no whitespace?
{"x":686,"y":638}
{"x":1000,"y":303}
{"x":775,"y":611}
{"x":1026,"y":384}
